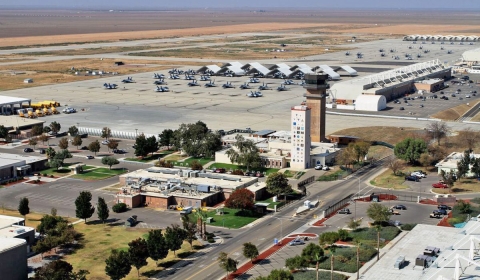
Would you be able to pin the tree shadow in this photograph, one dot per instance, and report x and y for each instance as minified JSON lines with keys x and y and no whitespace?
{"x":151,"y":272}
{"x":183,"y":255}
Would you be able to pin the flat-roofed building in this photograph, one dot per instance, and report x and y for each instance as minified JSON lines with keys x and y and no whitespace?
{"x":13,"y":259}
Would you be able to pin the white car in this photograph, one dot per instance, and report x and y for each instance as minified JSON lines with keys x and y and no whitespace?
{"x":105,"y":142}
{"x":418,"y":174}
{"x":325,"y":168}
{"x":69,"y":110}
{"x":296,"y":242}
{"x":318,"y":167}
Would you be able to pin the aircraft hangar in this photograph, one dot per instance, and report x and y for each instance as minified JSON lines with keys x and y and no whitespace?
{"x":391,"y":84}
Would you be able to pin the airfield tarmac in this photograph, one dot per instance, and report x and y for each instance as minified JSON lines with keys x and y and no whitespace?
{"x":136,"y":106}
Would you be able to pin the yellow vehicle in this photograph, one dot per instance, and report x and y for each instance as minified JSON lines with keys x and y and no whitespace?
{"x":54,"y":111}
{"x":46,"y":112}
{"x":31,"y":115}
{"x":38,"y":113}
{"x":21,"y":113}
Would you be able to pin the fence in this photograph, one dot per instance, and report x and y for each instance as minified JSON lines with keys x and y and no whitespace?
{"x":305,"y":182}
{"x":113,"y":134}
{"x":337,"y":205}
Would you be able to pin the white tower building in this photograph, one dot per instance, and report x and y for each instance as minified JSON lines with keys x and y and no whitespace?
{"x":300,"y":123}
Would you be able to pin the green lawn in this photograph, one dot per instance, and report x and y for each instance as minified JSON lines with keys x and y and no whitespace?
{"x":99,"y":173}
{"x":150,"y":157}
{"x":389,"y":181}
{"x":231,"y":218}
{"x":229,"y":167}
{"x":271,"y":205}
{"x":64,"y":171}
{"x":187,"y":162}
{"x":332,"y":176}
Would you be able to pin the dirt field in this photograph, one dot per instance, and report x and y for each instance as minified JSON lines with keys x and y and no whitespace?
{"x":387,"y":134}
{"x":24,"y":27}
{"x":454,"y":113}
{"x":44,"y":73}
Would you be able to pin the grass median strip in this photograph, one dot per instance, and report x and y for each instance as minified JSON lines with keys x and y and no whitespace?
{"x":99,"y":173}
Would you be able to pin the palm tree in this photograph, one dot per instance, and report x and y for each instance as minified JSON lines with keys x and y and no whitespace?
{"x":332,"y":250}
{"x":378,"y":228}
{"x":202,"y":220}
{"x":358,"y":244}
{"x":317,"y":260}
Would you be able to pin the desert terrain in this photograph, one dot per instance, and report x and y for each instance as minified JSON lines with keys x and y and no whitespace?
{"x":47,"y":27}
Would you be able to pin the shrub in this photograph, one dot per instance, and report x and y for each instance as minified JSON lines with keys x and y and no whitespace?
{"x":407,"y":227}
{"x":343,"y":235}
{"x":196,"y":165}
{"x":237,"y":172}
{"x":45,"y":174}
{"x":211,"y":240}
{"x":119,"y":207}
{"x":309,"y":275}
{"x":51,"y":176}
{"x":329,"y":238}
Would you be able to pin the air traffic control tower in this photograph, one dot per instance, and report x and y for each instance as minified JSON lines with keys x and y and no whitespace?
{"x":316,"y":86}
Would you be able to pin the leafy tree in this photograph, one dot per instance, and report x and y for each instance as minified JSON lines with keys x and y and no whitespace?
{"x":50,"y":152}
{"x":141,"y":146}
{"x":378,"y":212}
{"x":163,"y":163}
{"x":3,"y":132}
{"x":63,"y":143}
{"x":106,"y":133}
{"x":361,"y":149}
{"x":297,"y":262}
{"x":245,"y":153}
{"x":343,"y":234}
{"x":174,"y":237}
{"x":448,"y":178}
{"x":277,"y":274}
{"x":118,"y":265}
{"x":425,"y":159}
{"x":110,"y":161}
{"x":190,"y":228}
{"x":77,"y":141}
{"x":463,"y":165}
{"x":469,"y":136}
{"x":58,"y":158}
{"x":166,"y":138}
{"x":46,"y":129}
{"x":102,"y":210}
{"x":202,"y":222}
{"x":152,"y":144}
{"x":42,"y":246}
{"x":73,"y":131}
{"x":328,"y":238}
{"x":56,"y":231}
{"x":23,"y":208}
{"x":226,"y":263}
{"x":112,"y":144}
{"x":156,"y":245}
{"x":138,"y":253}
{"x":59,"y":270}
{"x":347,"y":156}
{"x":84,"y":208}
{"x":37,"y":130}
{"x":410,"y":149}
{"x":33,"y":142}
{"x":55,"y":126}
{"x":250,"y":251}
{"x":241,"y":199}
{"x":277,"y":184}
{"x":475,"y":169}
{"x":196,"y":165}
{"x":196,"y":140}
{"x":463,"y":207}
{"x":438,"y":130}
{"x":94,"y":147}
{"x":311,"y":251}
{"x":44,"y":138}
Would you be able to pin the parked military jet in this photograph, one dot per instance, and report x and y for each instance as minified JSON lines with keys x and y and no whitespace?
{"x":158,"y":76}
{"x":264,"y":86}
{"x":189,"y":77}
{"x":288,"y":82}
{"x":245,"y":86}
{"x":254,"y":94}
{"x":193,"y":83}
{"x":449,"y":52}
{"x":382,"y":54}
{"x":109,"y":86}
{"x":347,"y":53}
{"x":162,"y":89}
{"x":160,"y":82}
{"x":254,"y":80}
{"x":128,"y":80}
{"x":210,"y":84}
{"x":228,"y":85}
{"x":174,"y":76}
{"x":204,"y":78}
{"x":381,"y":50}
{"x":302,"y":83}
{"x":282,"y":87}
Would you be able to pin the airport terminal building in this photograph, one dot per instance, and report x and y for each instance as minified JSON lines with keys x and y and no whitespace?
{"x":387,"y":86}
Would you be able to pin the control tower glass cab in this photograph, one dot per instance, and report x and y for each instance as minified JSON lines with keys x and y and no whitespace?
{"x":316,"y":86}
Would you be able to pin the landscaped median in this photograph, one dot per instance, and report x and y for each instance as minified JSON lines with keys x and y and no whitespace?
{"x":231,"y":218}
{"x":98,"y":173}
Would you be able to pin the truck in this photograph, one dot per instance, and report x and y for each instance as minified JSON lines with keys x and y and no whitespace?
{"x":186,"y":210}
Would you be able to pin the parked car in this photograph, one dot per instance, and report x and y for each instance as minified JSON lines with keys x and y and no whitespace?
{"x":412,"y":178}
{"x":393,"y":211}
{"x":119,"y":151}
{"x":318,"y":167}
{"x":440,"y":185}
{"x":259,"y":174}
{"x":435,"y":215}
{"x":89,"y":157}
{"x":220,"y":170}
{"x":296,"y":242}
{"x":42,"y":151}
{"x":440,"y":211}
{"x":344,"y":211}
{"x":69,"y":110}
{"x":418,"y":174}
{"x":400,"y":207}
{"x":401,"y":108}
{"x":105,"y":142}
{"x":325,"y":168}
{"x":444,"y":207}
{"x":27,"y":150}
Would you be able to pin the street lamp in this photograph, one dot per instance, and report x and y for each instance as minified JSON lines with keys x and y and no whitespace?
{"x":281,"y":229}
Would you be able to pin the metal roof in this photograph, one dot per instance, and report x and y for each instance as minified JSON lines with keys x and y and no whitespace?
{"x":471,"y":55}
{"x":329,"y":70}
{"x":214,"y":68}
{"x":7,"y":100}
{"x":350,"y":70}
{"x":264,"y":132}
{"x":256,"y":67}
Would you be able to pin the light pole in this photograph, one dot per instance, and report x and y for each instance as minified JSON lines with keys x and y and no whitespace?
{"x":281,"y":230}
{"x":136,"y":130}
